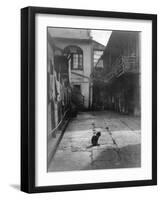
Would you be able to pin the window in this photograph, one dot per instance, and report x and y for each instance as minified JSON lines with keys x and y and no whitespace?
{"x":75,"y":55}
{"x":97,"y":56}
{"x":76,"y":61}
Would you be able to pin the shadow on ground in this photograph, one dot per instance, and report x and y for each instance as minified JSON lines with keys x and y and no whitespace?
{"x":112,"y":158}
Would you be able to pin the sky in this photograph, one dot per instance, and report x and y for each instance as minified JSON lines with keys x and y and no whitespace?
{"x":101,"y":36}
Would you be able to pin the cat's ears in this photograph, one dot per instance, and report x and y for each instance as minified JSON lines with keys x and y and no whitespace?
{"x":99,"y":133}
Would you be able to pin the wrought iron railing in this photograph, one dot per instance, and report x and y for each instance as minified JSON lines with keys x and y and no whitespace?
{"x":123,"y":64}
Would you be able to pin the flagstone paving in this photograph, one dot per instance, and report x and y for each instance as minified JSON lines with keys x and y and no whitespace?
{"x":120,"y":147}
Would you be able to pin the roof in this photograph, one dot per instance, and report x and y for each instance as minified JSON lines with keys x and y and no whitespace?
{"x":97,"y":45}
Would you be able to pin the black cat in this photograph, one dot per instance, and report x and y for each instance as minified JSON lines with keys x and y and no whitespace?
{"x":95,"y":138}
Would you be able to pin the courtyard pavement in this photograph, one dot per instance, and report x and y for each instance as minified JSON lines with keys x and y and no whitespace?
{"x":120,"y":147}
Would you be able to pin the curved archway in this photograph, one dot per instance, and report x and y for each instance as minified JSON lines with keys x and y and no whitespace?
{"x":75,"y":57}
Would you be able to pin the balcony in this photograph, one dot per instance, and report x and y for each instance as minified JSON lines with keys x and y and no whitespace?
{"x":125,"y":64}
{"x":122,"y":65}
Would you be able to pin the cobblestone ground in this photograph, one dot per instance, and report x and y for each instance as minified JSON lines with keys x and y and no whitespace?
{"x":119,"y":148}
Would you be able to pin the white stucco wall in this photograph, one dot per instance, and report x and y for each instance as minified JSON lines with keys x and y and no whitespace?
{"x":49,"y":57}
{"x":87,"y":66}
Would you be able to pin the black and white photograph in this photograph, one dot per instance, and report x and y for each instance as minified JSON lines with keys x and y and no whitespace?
{"x":89,"y":91}
{"x":93,"y":99}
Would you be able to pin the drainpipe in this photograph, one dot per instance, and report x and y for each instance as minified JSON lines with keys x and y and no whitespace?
{"x":90,"y":94}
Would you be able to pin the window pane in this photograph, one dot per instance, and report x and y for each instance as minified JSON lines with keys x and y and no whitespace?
{"x":75,"y":61}
{"x":80,"y":60}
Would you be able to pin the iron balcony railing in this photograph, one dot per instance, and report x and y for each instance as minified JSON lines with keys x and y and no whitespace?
{"x":123,"y":64}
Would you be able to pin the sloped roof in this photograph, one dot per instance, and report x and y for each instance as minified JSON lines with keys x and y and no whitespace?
{"x":97,"y":45}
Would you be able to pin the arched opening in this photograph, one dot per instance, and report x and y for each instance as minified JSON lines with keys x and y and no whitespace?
{"x":75,"y":57}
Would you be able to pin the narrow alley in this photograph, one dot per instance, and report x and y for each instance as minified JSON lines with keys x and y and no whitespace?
{"x":119,"y":147}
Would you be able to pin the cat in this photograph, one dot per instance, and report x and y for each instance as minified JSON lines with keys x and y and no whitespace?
{"x":95,"y":138}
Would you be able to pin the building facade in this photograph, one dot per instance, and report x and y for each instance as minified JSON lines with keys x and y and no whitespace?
{"x":58,"y":87}
{"x":76,"y":46}
{"x":118,"y":83}
{"x":82,"y":53}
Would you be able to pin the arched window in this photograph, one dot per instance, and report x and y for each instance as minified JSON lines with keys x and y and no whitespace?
{"x":75,"y":57}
